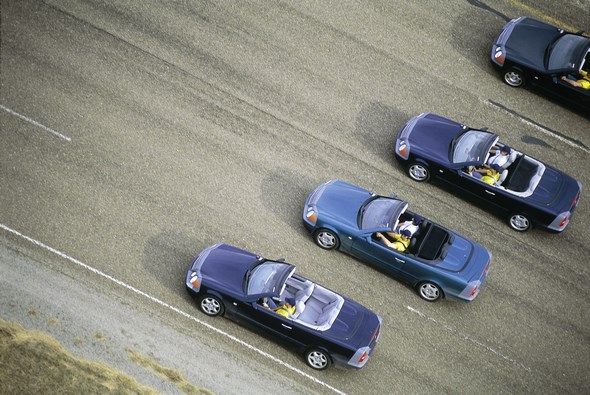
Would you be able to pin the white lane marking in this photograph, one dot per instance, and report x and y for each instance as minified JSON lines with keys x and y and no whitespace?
{"x":539,"y":127}
{"x":464,"y":336}
{"x":61,"y":136}
{"x":175,"y":309}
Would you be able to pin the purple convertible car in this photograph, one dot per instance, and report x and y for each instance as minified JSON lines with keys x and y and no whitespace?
{"x":325,"y":326}
{"x":527,"y":193}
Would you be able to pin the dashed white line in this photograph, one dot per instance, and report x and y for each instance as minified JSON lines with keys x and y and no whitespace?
{"x":464,"y":336}
{"x":164,"y":304}
{"x":25,"y":118}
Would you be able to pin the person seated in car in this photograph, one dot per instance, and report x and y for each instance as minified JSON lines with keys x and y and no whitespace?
{"x":402,"y":240}
{"x":411,"y":225}
{"x":500,"y":156}
{"x":489,"y":176}
{"x":287,"y":309}
{"x":583,"y":83}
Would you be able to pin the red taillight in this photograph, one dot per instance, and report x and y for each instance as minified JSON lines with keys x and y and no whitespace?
{"x":363,"y":357}
{"x":474,"y":291}
{"x":563,"y":221}
{"x":575,"y":201}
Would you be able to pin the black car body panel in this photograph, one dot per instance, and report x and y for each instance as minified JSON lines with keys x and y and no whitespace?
{"x":535,"y":190}
{"x":531,"y":48}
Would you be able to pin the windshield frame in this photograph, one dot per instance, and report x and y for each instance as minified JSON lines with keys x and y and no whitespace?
{"x":272,"y":283}
{"x":567,"y":57}
{"x":390,"y":216}
{"x":477,"y":153}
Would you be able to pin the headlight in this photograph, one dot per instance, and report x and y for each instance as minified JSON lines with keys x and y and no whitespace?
{"x":195,"y":281}
{"x":311,"y":215}
{"x":499,"y":56}
{"x":403,"y":149}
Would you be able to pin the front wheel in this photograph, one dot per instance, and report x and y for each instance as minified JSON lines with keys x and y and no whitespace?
{"x":211,"y":305}
{"x":519,"y":222}
{"x":317,"y":359}
{"x":514,"y":77}
{"x":429,"y":291}
{"x":326,"y":239}
{"x":418,"y":172}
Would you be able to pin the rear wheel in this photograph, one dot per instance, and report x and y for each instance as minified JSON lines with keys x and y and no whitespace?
{"x":317,"y":359}
{"x":211,"y":305}
{"x":326,"y":239}
{"x":519,"y":222}
{"x":418,"y":172}
{"x":429,"y":291}
{"x":514,"y":77}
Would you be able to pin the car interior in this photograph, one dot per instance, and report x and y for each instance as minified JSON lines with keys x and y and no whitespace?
{"x":315,"y":306}
{"x":520,"y":174}
{"x":430,"y":242}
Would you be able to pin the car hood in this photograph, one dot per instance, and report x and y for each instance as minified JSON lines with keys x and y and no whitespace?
{"x":226,"y":266}
{"x":343,"y":201}
{"x":528,"y":41}
{"x":432,"y":136}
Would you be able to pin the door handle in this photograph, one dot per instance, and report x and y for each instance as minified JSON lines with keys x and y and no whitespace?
{"x":399,"y":260}
{"x":489,"y":193}
{"x":286,"y":326}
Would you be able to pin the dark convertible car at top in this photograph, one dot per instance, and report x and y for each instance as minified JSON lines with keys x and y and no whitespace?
{"x":325,"y":326}
{"x":531,"y":52}
{"x":529,"y":192}
{"x":437,"y":263}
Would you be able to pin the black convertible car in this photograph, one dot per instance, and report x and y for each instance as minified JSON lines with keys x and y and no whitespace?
{"x":531,"y":52}
{"x":326,"y":326}
{"x":527,"y":192}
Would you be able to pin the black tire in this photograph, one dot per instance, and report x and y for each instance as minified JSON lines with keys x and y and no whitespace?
{"x":326,"y":239}
{"x":519,"y":222}
{"x":211,"y":305}
{"x":418,"y":172}
{"x":514,"y":77}
{"x":318,"y":359}
{"x":429,"y":291}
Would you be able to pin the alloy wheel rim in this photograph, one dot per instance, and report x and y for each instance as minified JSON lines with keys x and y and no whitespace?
{"x":429,"y":291}
{"x":326,"y":239}
{"x":519,"y":222}
{"x":317,"y":359}
{"x":210,"y":305}
{"x":418,"y":172}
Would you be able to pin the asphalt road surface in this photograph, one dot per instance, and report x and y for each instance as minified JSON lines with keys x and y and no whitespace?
{"x":134,"y":134}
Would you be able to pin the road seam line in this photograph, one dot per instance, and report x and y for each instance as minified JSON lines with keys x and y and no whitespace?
{"x":25,"y":118}
{"x":572,"y":142}
{"x":464,"y":336}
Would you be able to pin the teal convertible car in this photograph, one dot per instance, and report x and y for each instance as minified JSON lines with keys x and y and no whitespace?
{"x":437,"y":263}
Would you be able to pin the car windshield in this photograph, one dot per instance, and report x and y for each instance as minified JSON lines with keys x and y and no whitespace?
{"x":268,"y":277}
{"x":382,"y":213}
{"x":566,"y":52}
{"x":472,"y":146}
